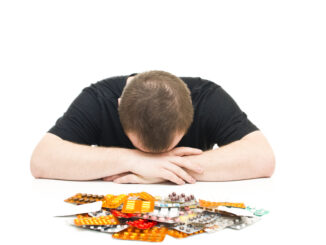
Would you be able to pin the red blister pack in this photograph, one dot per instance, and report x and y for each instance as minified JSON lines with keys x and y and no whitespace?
{"x":142,"y":223}
{"x":120,"y":214}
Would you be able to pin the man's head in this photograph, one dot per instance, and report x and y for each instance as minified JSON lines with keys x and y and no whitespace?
{"x":155,"y":111}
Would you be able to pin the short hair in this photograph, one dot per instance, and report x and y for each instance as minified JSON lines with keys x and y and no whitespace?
{"x":155,"y":106}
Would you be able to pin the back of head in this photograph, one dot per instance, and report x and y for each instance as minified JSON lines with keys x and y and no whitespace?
{"x":155,"y":106}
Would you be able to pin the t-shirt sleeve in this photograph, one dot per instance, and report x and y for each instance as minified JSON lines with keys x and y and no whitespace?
{"x":81,"y":123}
{"x":225,"y":122}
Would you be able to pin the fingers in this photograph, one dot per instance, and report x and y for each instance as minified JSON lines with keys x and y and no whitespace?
{"x":113,"y":177}
{"x":185,"y":163}
{"x":129,"y":178}
{"x":109,"y":178}
{"x":185,"y":151}
{"x":168,"y":175}
{"x":180,"y":173}
{"x":165,"y":174}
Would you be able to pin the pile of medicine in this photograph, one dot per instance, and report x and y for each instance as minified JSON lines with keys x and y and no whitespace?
{"x":143,"y":217}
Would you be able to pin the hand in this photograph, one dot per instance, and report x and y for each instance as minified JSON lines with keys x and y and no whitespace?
{"x":131,"y":178}
{"x":116,"y":176}
{"x":148,"y":167}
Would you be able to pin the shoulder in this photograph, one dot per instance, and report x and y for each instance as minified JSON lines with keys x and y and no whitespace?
{"x":201,"y":88}
{"x":108,"y":87}
{"x":198,"y":84}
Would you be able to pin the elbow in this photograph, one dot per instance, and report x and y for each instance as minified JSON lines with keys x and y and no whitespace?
{"x":261,"y":157}
{"x":41,"y":161}
{"x":268,"y":164}
{"x":35,"y":166}
{"x":270,"y":168}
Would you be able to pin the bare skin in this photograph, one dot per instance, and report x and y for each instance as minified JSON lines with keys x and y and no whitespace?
{"x":55,"y":158}
{"x":250,"y":157}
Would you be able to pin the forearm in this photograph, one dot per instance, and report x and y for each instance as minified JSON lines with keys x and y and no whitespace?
{"x":54,"y":158}
{"x":248,"y":158}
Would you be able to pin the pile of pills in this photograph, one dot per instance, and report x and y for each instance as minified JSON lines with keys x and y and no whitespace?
{"x":143,"y":217}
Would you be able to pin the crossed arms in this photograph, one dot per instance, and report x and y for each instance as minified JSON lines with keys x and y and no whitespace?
{"x":248,"y":158}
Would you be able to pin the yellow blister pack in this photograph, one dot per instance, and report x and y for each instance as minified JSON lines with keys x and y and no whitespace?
{"x":142,"y":195}
{"x":112,"y":201}
{"x":103,"y":220}
{"x":208,"y":204}
{"x":138,"y":206}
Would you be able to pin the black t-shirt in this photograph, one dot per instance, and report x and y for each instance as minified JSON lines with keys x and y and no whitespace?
{"x":93,"y":119}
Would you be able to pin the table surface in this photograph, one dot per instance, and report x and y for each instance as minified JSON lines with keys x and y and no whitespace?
{"x":30,"y":213}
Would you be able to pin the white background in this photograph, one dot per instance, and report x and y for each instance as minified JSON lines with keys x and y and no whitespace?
{"x":270,"y":56}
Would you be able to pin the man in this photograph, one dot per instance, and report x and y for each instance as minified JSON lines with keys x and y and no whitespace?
{"x":153,"y":127}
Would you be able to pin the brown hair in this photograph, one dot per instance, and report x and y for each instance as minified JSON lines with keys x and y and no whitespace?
{"x":155,"y":106}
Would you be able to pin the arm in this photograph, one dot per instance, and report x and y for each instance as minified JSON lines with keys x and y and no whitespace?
{"x":244,"y":152}
{"x":248,"y":158}
{"x":54,"y":158}
{"x":66,"y":152}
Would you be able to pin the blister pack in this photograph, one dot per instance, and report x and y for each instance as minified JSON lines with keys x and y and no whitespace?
{"x":101,"y":228}
{"x":175,"y":200}
{"x":102,"y":220}
{"x":155,"y":234}
{"x":120,"y":214}
{"x":179,"y":234}
{"x":141,"y":216}
{"x":188,"y":228}
{"x":105,"y":228}
{"x":99,"y":213}
{"x":142,"y":223}
{"x":220,"y":223}
{"x":138,"y":206}
{"x":81,"y":198}
{"x":161,"y":214}
{"x":234,"y":211}
{"x":168,"y":215}
{"x":142,"y":195}
{"x":257,"y":212}
{"x":243,"y":222}
{"x":204,"y":218}
{"x":208,"y":204}
{"x":112,"y":201}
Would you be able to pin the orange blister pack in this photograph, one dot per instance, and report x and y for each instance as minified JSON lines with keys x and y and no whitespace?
{"x":103,"y":220}
{"x":155,"y":234}
{"x":142,"y":195}
{"x":82,"y":216}
{"x":208,"y":204}
{"x":112,"y":201}
{"x":180,"y":234}
{"x":138,"y":206}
